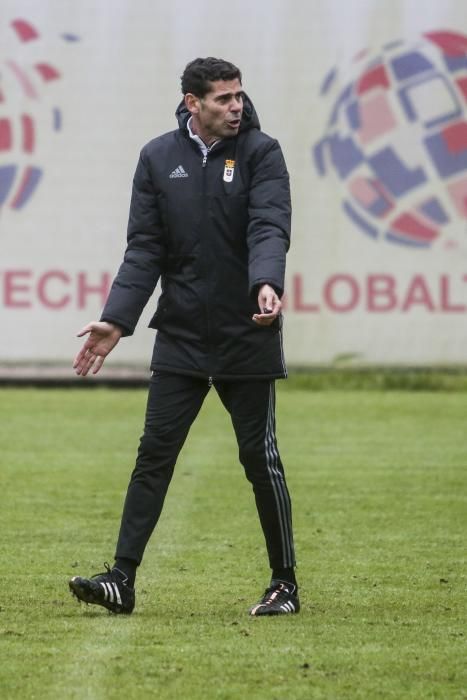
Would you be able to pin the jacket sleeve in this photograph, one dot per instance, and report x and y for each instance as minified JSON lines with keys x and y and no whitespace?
{"x":144,"y":256}
{"x":268,"y":234}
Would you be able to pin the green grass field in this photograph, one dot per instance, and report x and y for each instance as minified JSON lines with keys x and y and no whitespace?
{"x":379,"y":487}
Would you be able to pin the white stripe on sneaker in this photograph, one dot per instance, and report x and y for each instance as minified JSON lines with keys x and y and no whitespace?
{"x":111,"y":593}
{"x":117,"y":594}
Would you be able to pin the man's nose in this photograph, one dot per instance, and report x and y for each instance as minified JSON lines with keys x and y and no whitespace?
{"x":236,"y":105}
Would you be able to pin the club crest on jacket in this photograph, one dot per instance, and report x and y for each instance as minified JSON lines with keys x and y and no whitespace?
{"x":229,"y":170}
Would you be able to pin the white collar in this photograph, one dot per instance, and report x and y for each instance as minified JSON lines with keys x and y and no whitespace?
{"x":203,"y":148}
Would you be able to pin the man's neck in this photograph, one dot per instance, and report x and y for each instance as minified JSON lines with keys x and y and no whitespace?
{"x":204,"y":147}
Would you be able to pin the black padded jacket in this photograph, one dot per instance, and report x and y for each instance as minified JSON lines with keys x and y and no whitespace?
{"x":212,"y":236}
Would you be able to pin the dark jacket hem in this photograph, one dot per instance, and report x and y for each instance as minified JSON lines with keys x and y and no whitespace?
{"x":158,"y":367}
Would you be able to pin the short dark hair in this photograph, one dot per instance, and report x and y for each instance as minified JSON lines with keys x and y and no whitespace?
{"x":199,"y":73}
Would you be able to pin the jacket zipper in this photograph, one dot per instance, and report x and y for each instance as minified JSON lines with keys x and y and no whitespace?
{"x":205,"y":155}
{"x":208,"y":320}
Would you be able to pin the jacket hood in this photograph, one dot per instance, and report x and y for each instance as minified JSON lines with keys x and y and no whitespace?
{"x":249,"y":120}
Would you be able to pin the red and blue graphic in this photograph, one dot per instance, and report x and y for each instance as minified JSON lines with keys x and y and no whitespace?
{"x":23,"y":85}
{"x":397,"y":140}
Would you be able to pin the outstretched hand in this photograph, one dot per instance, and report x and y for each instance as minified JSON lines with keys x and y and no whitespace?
{"x":270,"y":306}
{"x":103,"y":337}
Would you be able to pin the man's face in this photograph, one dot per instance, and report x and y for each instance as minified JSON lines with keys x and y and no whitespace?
{"x":217,"y":115}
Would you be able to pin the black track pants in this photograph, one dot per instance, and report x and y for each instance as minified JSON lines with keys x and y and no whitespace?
{"x":173,"y":404}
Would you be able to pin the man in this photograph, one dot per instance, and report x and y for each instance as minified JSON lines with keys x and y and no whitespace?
{"x":210,"y":217}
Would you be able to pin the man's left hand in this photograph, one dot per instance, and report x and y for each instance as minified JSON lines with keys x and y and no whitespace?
{"x":270,"y":306}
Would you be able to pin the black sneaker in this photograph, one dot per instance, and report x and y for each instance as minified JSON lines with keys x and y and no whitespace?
{"x":279,"y":599}
{"x":107,"y":589}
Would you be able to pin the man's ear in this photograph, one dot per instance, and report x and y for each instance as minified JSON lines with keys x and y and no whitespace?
{"x":192,"y":103}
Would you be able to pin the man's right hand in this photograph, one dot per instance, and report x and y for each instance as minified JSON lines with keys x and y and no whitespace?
{"x":103,"y":337}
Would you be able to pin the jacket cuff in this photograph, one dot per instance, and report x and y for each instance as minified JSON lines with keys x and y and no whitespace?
{"x":126,"y":331}
{"x":256,"y":287}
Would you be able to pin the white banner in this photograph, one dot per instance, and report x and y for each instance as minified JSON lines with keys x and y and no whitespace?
{"x":368,"y":99}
